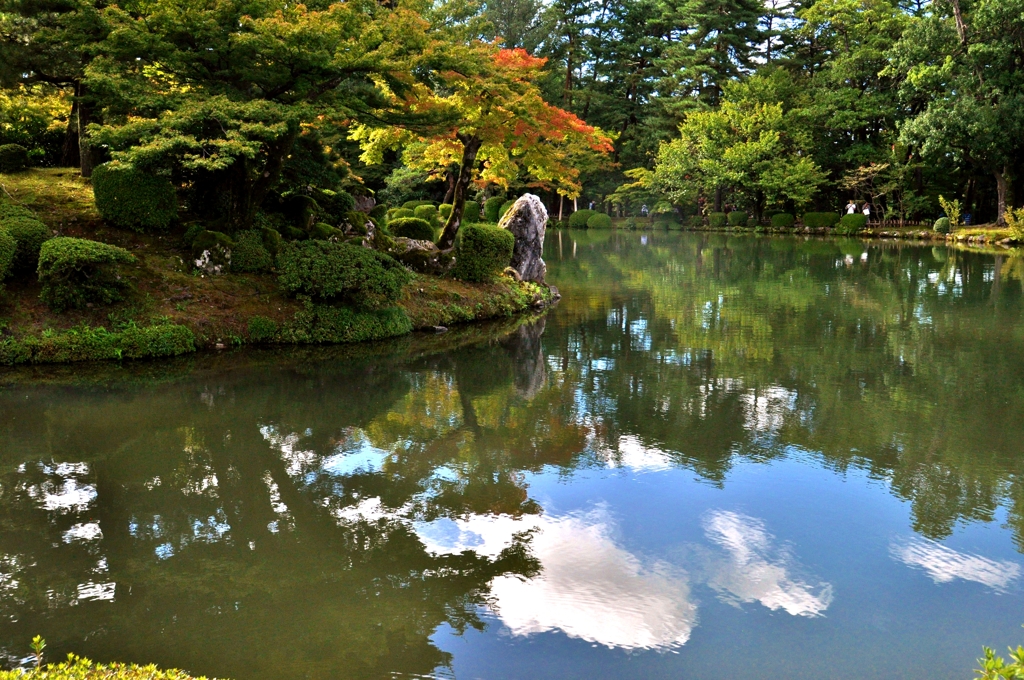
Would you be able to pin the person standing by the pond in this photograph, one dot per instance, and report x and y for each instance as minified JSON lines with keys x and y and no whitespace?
{"x":867,"y":211}
{"x":851,"y":207}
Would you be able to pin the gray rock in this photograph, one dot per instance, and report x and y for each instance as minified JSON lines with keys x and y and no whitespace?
{"x":420,"y":256}
{"x":527,"y":219}
{"x":364,"y":203}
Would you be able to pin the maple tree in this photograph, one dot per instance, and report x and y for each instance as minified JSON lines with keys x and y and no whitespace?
{"x":493,"y":123}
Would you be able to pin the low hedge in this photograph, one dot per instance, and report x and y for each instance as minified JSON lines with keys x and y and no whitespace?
{"x":30,"y":234}
{"x":250,"y":254}
{"x":783,"y":220}
{"x":13,"y":158}
{"x":851,"y":224}
{"x":718,"y":220}
{"x":471,"y":212}
{"x":942,"y":225}
{"x":579,"y":219}
{"x":599,"y":221}
{"x":132,"y":199}
{"x":76,"y":271}
{"x":483,"y":252}
{"x":8,"y":249}
{"x":323,"y":324}
{"x":825,"y":220}
{"x":98,"y":344}
{"x":327,"y":271}
{"x":77,"y":668}
{"x":412,"y":227}
{"x":738,"y":218}
{"x":492,"y":208}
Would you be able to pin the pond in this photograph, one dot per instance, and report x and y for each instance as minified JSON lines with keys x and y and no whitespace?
{"x":802,"y":458}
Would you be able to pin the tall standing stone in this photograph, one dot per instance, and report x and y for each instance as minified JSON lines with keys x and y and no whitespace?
{"x":527,"y":219}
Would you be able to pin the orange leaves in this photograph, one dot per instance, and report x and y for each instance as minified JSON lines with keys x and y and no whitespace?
{"x":518,"y":59}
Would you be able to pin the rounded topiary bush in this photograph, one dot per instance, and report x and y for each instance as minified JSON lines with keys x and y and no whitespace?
{"x":579,"y":219}
{"x":13,"y":158}
{"x":444,"y":210}
{"x":412,"y":227}
{"x":250,"y":254}
{"x":76,"y":271}
{"x":191,"y":233}
{"x":471,"y":212}
{"x":29,"y":233}
{"x":8,"y":247}
{"x":718,"y":220}
{"x":133,"y":199}
{"x":379,"y":213}
{"x":505,"y":207}
{"x":783,"y":221}
{"x":428,"y":213}
{"x":334,"y":204}
{"x":412,"y":205}
{"x":942,"y":225}
{"x":400,"y":213}
{"x":325,"y":232}
{"x":599,"y":221}
{"x":483,"y":252}
{"x":327,"y":270}
{"x":738,"y":218}
{"x":821,"y":220}
{"x":851,"y":224}
{"x":492,"y":208}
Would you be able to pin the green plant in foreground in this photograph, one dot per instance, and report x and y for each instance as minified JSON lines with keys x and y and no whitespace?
{"x":942,"y":225}
{"x":76,"y":271}
{"x":994,"y":667}
{"x":328,"y":271}
{"x":852,"y":224}
{"x":953,"y":211}
{"x":599,"y":221}
{"x":132,"y":199}
{"x":1015,"y":223}
{"x":482,"y":252}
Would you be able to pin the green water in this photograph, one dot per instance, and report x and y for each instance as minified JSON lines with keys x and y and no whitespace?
{"x":800,"y":459}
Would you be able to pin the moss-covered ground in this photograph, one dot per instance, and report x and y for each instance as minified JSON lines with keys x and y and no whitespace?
{"x":167,"y":291}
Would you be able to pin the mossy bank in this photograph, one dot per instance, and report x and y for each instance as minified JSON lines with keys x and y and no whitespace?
{"x":152,"y":301}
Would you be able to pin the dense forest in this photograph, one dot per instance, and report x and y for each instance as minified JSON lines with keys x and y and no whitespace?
{"x":628,"y":106}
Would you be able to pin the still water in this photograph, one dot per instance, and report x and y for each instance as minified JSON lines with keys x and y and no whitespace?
{"x":716,"y":457}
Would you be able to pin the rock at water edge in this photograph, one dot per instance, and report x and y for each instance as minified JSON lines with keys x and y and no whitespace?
{"x":527,"y":219}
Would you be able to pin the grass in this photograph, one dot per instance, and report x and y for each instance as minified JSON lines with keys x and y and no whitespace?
{"x":216,"y":311}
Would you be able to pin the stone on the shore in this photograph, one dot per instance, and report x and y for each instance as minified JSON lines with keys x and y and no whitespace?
{"x":421,"y":256}
{"x":527,"y":219}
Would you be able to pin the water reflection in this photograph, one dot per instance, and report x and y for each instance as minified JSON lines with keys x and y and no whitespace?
{"x":323,"y":514}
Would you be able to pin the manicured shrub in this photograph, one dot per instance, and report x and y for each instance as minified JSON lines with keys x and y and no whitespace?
{"x":133,"y":199}
{"x":76,"y":271}
{"x":492,"y":208}
{"x":412,"y":227}
{"x":718,"y":220}
{"x":483,"y":252}
{"x":13,"y":158}
{"x":471,"y":212}
{"x":334,"y":204}
{"x":579,"y":219}
{"x":325,"y":232}
{"x":412,"y":205}
{"x":428,"y":213}
{"x":444,"y":211}
{"x":29,"y":233}
{"x":8,"y":249}
{"x":379,"y":213}
{"x":321,"y":323}
{"x":738,"y":218}
{"x":191,"y":233}
{"x":505,"y":207}
{"x":272,"y":240}
{"x":942,"y":225}
{"x":402,"y":213}
{"x":851,"y":224}
{"x":208,"y":239}
{"x":327,"y":270}
{"x":250,"y":254}
{"x":262,"y":329}
{"x":10,"y":210}
{"x":599,"y":221}
{"x":821,"y":220}
{"x":783,"y":220}
{"x":293,"y":233}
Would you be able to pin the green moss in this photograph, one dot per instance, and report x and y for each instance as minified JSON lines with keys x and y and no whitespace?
{"x":250,"y":254}
{"x":783,"y":220}
{"x":189,"y":237}
{"x":132,"y":199}
{"x":579,"y":219}
{"x":8,"y":248}
{"x":207,"y":240}
{"x":483,"y":252}
{"x":77,"y":271}
{"x":10,"y":210}
{"x":821,"y":220}
{"x":13,"y":158}
{"x":328,"y":271}
{"x":492,"y":208}
{"x":505,"y":207}
{"x":325,"y":232}
{"x":30,"y":234}
{"x":326,"y":324}
{"x":412,"y":227}
{"x":98,"y":344}
{"x":401,"y":213}
{"x":599,"y":221}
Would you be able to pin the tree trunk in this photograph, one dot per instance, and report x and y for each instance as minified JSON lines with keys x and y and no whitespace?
{"x":1001,"y":196}
{"x":561,"y":200}
{"x":449,"y":195}
{"x":249,"y":194}
{"x":69,"y":157}
{"x":84,"y":118}
{"x":470,"y":147}
{"x":718,"y":199}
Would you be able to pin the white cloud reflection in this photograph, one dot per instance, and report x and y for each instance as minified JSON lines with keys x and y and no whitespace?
{"x":754,"y":570}
{"x":943,"y":565}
